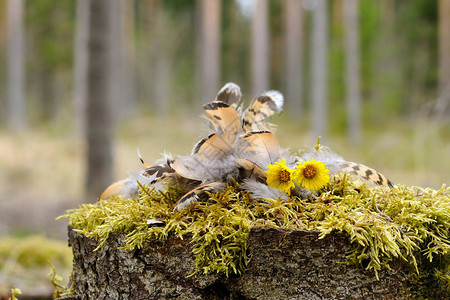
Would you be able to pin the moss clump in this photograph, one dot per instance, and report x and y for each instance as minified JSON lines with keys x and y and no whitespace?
{"x":24,"y":261}
{"x":405,"y":222}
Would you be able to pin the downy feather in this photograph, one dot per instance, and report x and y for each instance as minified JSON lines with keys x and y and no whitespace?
{"x":261,"y":190}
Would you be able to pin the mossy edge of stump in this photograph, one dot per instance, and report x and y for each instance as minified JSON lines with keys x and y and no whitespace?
{"x":284,"y":264}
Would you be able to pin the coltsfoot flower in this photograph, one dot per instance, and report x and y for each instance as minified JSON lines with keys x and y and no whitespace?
{"x":312,"y":175}
{"x":280,"y":176}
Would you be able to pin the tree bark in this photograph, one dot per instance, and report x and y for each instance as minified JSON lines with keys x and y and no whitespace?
{"x":99,"y":123}
{"x":353,"y":99}
{"x":260,"y":48}
{"x":284,"y":265}
{"x":294,"y":53}
{"x":319,"y":68}
{"x":16,"y":119}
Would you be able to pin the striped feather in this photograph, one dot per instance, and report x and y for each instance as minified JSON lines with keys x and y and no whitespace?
{"x":230,"y":94}
{"x":249,"y":169}
{"x":215,"y":145}
{"x":223,"y":118}
{"x":198,"y":193}
{"x":261,"y":109}
{"x":365,"y":173}
{"x":264,"y":145}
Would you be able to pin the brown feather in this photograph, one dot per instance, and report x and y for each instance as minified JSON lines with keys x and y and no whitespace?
{"x":197,"y":193}
{"x":366,"y":173}
{"x":263,"y":107}
{"x":215,"y":145}
{"x":117,"y":188}
{"x":249,"y":169}
{"x":230,"y":93}
{"x":264,"y":144}
{"x":224,"y":118}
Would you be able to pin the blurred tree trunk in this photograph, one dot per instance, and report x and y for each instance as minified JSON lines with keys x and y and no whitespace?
{"x":350,"y":12}
{"x":129,"y":42}
{"x":3,"y":36}
{"x":116,"y":83}
{"x":99,"y":121}
{"x":443,"y":102}
{"x":80,"y":64}
{"x":210,"y":48}
{"x":260,"y":47}
{"x":15,"y":67}
{"x":319,"y":68}
{"x":444,"y":43}
{"x":162,"y":54}
{"x":121,"y":51}
{"x":294,"y":61}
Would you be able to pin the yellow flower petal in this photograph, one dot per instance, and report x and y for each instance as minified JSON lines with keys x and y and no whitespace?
{"x":280,"y":176}
{"x":312,"y":175}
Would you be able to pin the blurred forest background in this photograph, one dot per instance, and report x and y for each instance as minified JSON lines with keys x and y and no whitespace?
{"x":83,"y":83}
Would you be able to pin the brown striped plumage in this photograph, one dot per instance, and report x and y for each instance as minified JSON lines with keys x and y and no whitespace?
{"x":263,"y":107}
{"x":367,"y":174}
{"x":240,"y":148}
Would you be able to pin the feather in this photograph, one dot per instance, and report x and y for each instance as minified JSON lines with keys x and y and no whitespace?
{"x":263,"y":107}
{"x":205,"y":170}
{"x":249,"y":169}
{"x":223,"y":118}
{"x":261,"y":190}
{"x":336,"y":164}
{"x":263,"y":149}
{"x":128,"y":188}
{"x":157,"y":171}
{"x":141,"y":159}
{"x":215,"y":145}
{"x":230,"y":93}
{"x":366,"y":173}
{"x":323,"y":154}
{"x":198,"y":193}
{"x":117,"y":188}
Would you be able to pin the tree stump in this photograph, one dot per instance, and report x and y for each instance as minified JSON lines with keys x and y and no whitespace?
{"x":284,"y":264}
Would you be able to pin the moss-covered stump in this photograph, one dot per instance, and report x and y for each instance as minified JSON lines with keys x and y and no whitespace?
{"x":283,"y":264}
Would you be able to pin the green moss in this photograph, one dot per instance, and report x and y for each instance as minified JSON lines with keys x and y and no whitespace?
{"x":24,"y":261}
{"x":406,"y":222}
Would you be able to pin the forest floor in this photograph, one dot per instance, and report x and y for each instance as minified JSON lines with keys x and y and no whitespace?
{"x":42,"y":170}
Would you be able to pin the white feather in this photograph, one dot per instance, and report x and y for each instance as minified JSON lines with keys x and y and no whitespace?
{"x":261,"y":190}
{"x":277,"y":98}
{"x":208,"y":169}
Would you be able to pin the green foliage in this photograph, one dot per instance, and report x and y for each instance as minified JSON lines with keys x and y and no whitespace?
{"x":13,"y":293}
{"x":405,"y":222}
{"x":33,"y":252}
{"x":24,"y":261}
{"x":59,"y":289}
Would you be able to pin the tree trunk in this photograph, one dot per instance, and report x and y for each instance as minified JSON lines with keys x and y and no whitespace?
{"x":99,"y":123}
{"x":16,"y":119}
{"x":260,"y":47}
{"x":350,"y":11}
{"x":283,"y":265}
{"x":294,"y":61}
{"x":210,"y":48}
{"x":80,"y":65}
{"x":442,"y":106}
{"x":319,"y":68}
{"x":444,"y":43}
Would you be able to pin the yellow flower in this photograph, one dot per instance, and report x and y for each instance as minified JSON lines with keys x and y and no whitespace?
{"x":312,"y":175}
{"x":280,"y":176}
